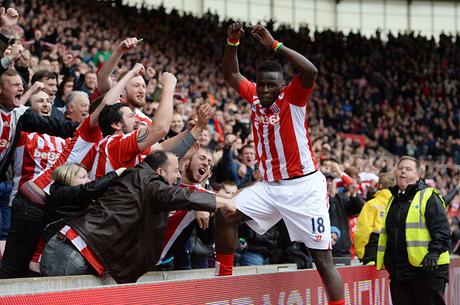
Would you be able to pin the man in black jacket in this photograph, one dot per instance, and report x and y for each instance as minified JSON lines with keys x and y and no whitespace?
{"x":415,"y":239}
{"x":123,"y":231}
{"x":342,"y":206}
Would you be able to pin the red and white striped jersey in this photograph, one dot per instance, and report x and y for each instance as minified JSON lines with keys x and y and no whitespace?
{"x":143,"y":119}
{"x":85,"y":251}
{"x":116,"y":151}
{"x":80,"y":149}
{"x":6,"y":132}
{"x":8,"y":121}
{"x":283,"y":146}
{"x":179,"y":220}
{"x":138,"y":114}
{"x":34,"y":153}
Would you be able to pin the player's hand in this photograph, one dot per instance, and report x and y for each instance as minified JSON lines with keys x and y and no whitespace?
{"x":202,"y":217}
{"x":8,"y":17}
{"x":168,"y":79}
{"x":127,"y":45}
{"x":262,"y":35}
{"x":235,"y":31}
{"x":138,"y":69}
{"x":205,"y":112}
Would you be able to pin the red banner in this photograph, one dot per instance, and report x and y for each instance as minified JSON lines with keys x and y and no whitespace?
{"x":363,"y":285}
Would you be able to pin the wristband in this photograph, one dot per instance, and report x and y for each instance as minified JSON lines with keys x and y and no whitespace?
{"x":233,"y":42}
{"x":277,"y":45}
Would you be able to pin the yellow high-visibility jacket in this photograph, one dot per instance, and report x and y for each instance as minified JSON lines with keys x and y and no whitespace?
{"x":370,"y":220}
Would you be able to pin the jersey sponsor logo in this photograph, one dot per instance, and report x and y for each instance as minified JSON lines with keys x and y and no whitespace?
{"x":318,"y":237}
{"x":6,"y":123}
{"x":267,"y":119}
{"x":274,"y":108}
{"x":50,"y":155}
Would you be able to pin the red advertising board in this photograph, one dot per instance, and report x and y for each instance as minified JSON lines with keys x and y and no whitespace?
{"x":363,"y":285}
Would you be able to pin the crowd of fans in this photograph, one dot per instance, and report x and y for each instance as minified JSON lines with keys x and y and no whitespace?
{"x":374,"y":100}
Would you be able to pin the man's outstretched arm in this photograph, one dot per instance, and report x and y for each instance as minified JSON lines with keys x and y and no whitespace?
{"x":308,"y":71}
{"x":231,"y":69}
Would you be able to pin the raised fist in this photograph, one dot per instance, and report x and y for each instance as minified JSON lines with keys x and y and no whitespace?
{"x":37,"y":87}
{"x":8,"y":17}
{"x":235,"y":31}
{"x":138,"y":69}
{"x":127,"y":45}
{"x":15,"y":52}
{"x":168,"y":79}
{"x":261,"y":34}
{"x":204,"y":113}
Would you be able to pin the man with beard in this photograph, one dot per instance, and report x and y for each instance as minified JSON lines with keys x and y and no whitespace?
{"x":126,"y":141}
{"x":184,"y":234}
{"x":135,"y":91}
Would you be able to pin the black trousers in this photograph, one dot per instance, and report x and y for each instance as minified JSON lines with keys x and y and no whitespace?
{"x":424,"y":291}
{"x":25,"y":230}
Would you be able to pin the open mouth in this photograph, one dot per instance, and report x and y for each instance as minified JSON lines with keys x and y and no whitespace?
{"x":17,"y":99}
{"x":201,"y":171}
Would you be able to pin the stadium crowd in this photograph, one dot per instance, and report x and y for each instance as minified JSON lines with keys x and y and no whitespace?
{"x":375,"y":100}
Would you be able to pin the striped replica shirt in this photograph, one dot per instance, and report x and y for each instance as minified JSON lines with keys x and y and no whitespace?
{"x":34,"y":153}
{"x":179,"y":220}
{"x":85,"y":251}
{"x":6,"y":131}
{"x":80,"y":149}
{"x":283,"y":146}
{"x":116,"y":151}
{"x":143,"y":119}
{"x":8,"y":121}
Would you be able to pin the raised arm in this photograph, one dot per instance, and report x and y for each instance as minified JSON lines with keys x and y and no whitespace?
{"x":33,"y":122}
{"x":231,"y":69}
{"x":103,"y":77}
{"x":11,"y":54}
{"x":307,"y":70}
{"x":150,"y":135}
{"x":114,"y":93}
{"x":181,"y":143}
{"x":34,"y":89}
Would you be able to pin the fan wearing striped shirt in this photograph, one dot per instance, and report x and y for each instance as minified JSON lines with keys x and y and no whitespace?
{"x":126,"y":141}
{"x":293,"y":188}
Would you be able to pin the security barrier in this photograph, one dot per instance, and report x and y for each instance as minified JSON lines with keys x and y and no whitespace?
{"x":363,"y":285}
